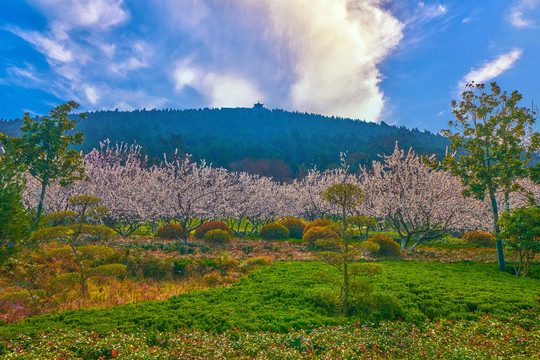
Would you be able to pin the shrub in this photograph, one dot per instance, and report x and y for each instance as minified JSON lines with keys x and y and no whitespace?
{"x":479,"y":238}
{"x":387,"y":245}
{"x":60,"y":218}
{"x":150,"y":267}
{"x":109,"y":270}
{"x":63,"y":283}
{"x":98,"y":253}
{"x":188,"y":267}
{"x":226,"y":263}
{"x":295,"y":227}
{"x":317,"y":233}
{"x":321,"y":223}
{"x":257,"y":261}
{"x":211,"y":225}
{"x":97,"y":233}
{"x":180,"y":266}
{"x":170,"y":231}
{"x":370,"y":247}
{"x":213,"y":279}
{"x":217,"y":236}
{"x":14,"y":296}
{"x":274,"y":232}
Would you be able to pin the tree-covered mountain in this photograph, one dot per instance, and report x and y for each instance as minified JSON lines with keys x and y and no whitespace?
{"x":276,"y":143}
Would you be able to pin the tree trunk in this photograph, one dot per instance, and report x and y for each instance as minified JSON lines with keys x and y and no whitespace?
{"x":507,"y":200}
{"x":345,"y":266}
{"x":40,"y":205}
{"x":82,"y":270}
{"x":345,"y":289}
{"x":495,"y":210}
{"x":404,"y":242}
{"x":84,"y":287}
{"x":418,"y":242}
{"x":34,"y":299}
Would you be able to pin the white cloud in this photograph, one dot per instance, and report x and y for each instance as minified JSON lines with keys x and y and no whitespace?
{"x":70,"y":71}
{"x":131,"y":99}
{"x":222,"y":90}
{"x":138,"y":57}
{"x":185,"y":75}
{"x":112,"y":98}
{"x":74,"y":45}
{"x":335,"y":47}
{"x":230,"y":91}
{"x":128,"y":65}
{"x":517,"y":13}
{"x":425,"y":12}
{"x":320,"y":56}
{"x":91,"y":94}
{"x":192,"y":12}
{"x":94,"y":13}
{"x":492,"y":69}
{"x":106,"y":47}
{"x":50,"y":47}
{"x":25,"y":74}
{"x":123,"y":106}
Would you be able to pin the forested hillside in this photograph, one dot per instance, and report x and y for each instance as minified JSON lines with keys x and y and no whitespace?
{"x":269,"y":142}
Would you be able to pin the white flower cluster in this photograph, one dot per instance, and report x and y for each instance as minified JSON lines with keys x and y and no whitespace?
{"x":401,"y":191}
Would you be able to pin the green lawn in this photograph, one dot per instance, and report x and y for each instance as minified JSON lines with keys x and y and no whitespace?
{"x":276,"y":298}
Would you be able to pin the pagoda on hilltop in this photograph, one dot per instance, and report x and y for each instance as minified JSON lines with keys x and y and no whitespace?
{"x":258,"y":105}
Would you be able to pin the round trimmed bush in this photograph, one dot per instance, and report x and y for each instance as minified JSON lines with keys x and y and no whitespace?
{"x":479,"y":238}
{"x":322,"y":223}
{"x":274,"y":232}
{"x":295,"y":227}
{"x":211,"y":225}
{"x":318,"y":233}
{"x":387,"y":246}
{"x":61,"y":218}
{"x":170,"y":231}
{"x":217,"y":236}
{"x":370,"y":246}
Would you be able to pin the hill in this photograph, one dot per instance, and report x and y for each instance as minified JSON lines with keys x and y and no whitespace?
{"x":275,"y":142}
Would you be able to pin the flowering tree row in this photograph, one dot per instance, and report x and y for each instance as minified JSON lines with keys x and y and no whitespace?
{"x":401,"y":191}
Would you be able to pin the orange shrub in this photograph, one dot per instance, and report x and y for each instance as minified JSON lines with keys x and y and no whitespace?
{"x":295,"y":226}
{"x":211,"y":225}
{"x":217,"y":236}
{"x":322,"y":223}
{"x":170,"y":231}
{"x":317,"y":233}
{"x":274,"y":232}
{"x":387,"y":245}
{"x":479,"y":238}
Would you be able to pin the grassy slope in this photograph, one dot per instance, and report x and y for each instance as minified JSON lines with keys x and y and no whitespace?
{"x":274,"y":298}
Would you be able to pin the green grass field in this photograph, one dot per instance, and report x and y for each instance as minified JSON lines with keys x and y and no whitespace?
{"x":277,"y":298}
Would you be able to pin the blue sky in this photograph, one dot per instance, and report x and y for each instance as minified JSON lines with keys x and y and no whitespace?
{"x":396,"y":61}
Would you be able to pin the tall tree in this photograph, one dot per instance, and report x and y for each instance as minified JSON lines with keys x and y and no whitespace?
{"x":72,"y":226}
{"x":521,"y":228}
{"x":13,"y":218}
{"x":338,"y":252}
{"x":419,"y":203}
{"x":43,"y":149}
{"x":492,"y":140}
